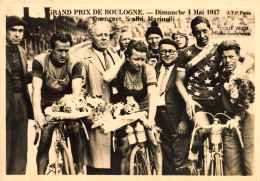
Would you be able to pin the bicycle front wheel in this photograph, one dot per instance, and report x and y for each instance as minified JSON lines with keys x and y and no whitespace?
{"x":218,"y":166}
{"x":67,"y":166}
{"x":139,"y":162}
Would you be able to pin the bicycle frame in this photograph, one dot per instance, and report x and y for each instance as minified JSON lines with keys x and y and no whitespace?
{"x":60,"y":147}
{"x":215,"y":142}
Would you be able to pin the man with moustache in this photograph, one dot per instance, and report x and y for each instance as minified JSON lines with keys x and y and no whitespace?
{"x":125,"y":38}
{"x":96,"y":61}
{"x":56,"y":73}
{"x":153,"y":36}
{"x":174,"y":137}
{"x":18,"y":103}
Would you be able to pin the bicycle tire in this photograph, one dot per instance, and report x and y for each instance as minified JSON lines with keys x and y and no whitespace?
{"x":218,"y":166}
{"x":65,"y":169}
{"x":150,"y":161}
{"x":139,"y":162}
{"x":206,"y":162}
{"x":67,"y":160}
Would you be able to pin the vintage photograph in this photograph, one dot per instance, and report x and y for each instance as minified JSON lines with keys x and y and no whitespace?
{"x":102,"y":90}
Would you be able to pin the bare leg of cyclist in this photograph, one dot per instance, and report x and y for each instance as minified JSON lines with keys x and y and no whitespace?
{"x":157,"y":155}
{"x":76,"y":146}
{"x":199,"y":119}
{"x":124,"y":150}
{"x":42,"y":158}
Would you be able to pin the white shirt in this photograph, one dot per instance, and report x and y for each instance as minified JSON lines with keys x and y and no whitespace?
{"x":161,"y":99}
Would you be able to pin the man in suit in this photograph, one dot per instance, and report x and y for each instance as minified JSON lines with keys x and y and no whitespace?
{"x":175,"y":141}
{"x":96,"y":60}
{"x":18,"y":104}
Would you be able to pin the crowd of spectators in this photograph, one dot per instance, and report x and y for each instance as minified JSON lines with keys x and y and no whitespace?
{"x":38,"y":35}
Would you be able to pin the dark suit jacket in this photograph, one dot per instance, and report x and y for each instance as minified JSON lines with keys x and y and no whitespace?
{"x":174,"y":101}
{"x":27,"y":79}
{"x":227,"y":105}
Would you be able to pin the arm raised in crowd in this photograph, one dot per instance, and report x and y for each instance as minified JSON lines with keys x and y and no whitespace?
{"x":248,"y":63}
{"x":112,"y":72}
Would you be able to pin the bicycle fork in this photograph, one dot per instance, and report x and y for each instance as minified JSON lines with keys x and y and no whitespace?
{"x":216,"y":160}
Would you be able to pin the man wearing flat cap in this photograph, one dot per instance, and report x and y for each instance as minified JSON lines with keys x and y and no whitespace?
{"x":18,"y":104}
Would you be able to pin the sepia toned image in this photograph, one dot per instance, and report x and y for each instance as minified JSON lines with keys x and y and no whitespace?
{"x":97,"y":89}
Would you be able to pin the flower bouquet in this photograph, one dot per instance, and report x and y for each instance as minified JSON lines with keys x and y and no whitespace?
{"x":241,"y":90}
{"x":71,"y":106}
{"x":117,"y":115}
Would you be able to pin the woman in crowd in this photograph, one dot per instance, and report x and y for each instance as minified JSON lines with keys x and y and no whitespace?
{"x":135,"y":78}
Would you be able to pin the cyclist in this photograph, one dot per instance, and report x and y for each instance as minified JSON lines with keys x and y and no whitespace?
{"x":55,"y":73}
{"x":237,"y":161}
{"x":198,"y":78}
{"x":137,"y":79}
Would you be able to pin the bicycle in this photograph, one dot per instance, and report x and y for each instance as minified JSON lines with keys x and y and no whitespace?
{"x":63,"y":158}
{"x":141,"y":160}
{"x":213,"y":145}
{"x":141,"y":157}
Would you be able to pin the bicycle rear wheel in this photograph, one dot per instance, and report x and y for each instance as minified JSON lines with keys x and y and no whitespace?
{"x":139,"y":162}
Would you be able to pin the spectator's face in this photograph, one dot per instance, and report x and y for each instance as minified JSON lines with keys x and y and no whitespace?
{"x":100,"y":37}
{"x":230,"y":59}
{"x":180,"y":40}
{"x":202,"y":34}
{"x":168,"y":53}
{"x":61,"y":52}
{"x":152,"y":62}
{"x":153,"y":41}
{"x":125,"y":38}
{"x":137,"y":60}
{"x":14,"y":35}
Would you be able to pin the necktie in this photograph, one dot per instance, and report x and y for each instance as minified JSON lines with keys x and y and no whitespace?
{"x":106,"y":61}
{"x":163,"y":82}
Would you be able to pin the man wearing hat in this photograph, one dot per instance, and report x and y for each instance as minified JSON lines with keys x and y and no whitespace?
{"x":175,"y":138}
{"x":153,"y":36}
{"x":18,"y":104}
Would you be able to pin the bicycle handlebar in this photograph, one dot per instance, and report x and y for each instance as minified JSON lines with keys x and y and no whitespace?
{"x":217,"y":126}
{"x":51,"y":120}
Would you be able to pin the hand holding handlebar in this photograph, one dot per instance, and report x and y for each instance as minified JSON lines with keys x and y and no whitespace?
{"x":231,"y":124}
